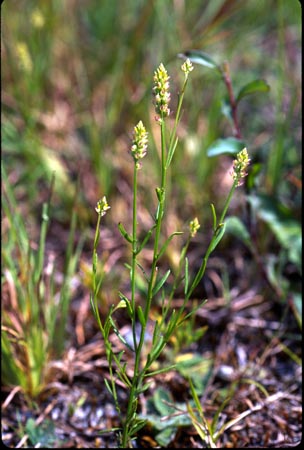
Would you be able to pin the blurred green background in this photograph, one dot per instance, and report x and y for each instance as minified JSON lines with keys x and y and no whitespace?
{"x":77,"y":76}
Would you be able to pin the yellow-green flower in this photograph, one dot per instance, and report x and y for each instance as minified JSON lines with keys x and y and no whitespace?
{"x":102,"y":206}
{"x":187,"y":67}
{"x":161,"y":92}
{"x":24,"y":57}
{"x":194,"y":226}
{"x":140,"y":143}
{"x":240,"y":165}
{"x":37,"y":18}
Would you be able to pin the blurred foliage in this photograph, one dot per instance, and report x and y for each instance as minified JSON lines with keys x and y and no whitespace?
{"x":83,"y":78}
{"x":77,"y":76}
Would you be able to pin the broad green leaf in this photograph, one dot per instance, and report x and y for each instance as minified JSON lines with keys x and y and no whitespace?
{"x":195,"y":367}
{"x":226,"y":109}
{"x":199,"y":57}
{"x":236,"y":227}
{"x":161,"y":398}
{"x":297,"y":306}
{"x":165,"y":436}
{"x":281,"y":222}
{"x":252,"y":88}
{"x":228,"y":146}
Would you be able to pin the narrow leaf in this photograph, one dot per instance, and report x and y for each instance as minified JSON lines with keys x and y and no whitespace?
{"x":145,"y":240}
{"x":141,"y":316}
{"x":186,"y":275}
{"x":124,"y":233}
{"x":120,"y":336}
{"x":167,"y":242}
{"x":138,"y":426}
{"x":108,"y":386}
{"x":213,"y":216}
{"x":155,"y":332}
{"x":171,"y":153}
{"x":163,"y":370}
{"x":127,"y":302}
{"x":160,"y":283}
{"x":216,"y":239}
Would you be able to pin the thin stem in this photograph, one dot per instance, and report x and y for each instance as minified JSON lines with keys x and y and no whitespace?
{"x":160,"y":213}
{"x":233,"y":103}
{"x":211,"y":245}
{"x":134,"y":248}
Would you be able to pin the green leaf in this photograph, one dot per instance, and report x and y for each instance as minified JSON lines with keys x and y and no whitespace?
{"x":145,"y":240}
{"x":157,"y":372}
{"x":157,"y":349}
{"x":161,"y":398}
{"x":228,"y":146}
{"x":167,"y":242}
{"x":171,"y":153}
{"x":213,"y":216}
{"x":197,"y":368}
{"x":141,"y":316}
{"x":199,"y":57}
{"x":124,"y":233}
{"x":127,"y":302}
{"x":226,"y":109}
{"x":281,"y":222}
{"x":160,"y":283}
{"x":138,"y":426}
{"x":252,"y":88}
{"x":120,"y":336}
{"x":186,"y":275}
{"x":216,"y":239}
{"x":236,"y":227}
{"x":108,"y":386}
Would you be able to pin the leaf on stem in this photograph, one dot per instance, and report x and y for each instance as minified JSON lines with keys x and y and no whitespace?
{"x":186,"y":276}
{"x":227,"y":146}
{"x":160,"y":283}
{"x":252,"y":88}
{"x":202,"y":58}
{"x":141,"y":316}
{"x":127,"y":302}
{"x":216,"y":238}
{"x":124,"y":233}
{"x":167,"y":242}
{"x":171,"y":152}
{"x":145,"y":240}
{"x":120,"y":336}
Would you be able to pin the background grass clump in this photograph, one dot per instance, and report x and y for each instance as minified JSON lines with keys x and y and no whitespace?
{"x":76,"y":77}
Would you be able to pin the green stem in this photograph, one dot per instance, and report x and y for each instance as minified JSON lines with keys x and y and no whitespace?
{"x":134,"y":249}
{"x":210,"y":248}
{"x":160,"y":213}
